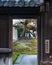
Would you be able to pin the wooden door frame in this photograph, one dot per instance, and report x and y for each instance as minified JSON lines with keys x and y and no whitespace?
{"x":38,"y":29}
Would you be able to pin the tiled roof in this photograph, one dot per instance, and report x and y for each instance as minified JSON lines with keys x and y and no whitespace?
{"x":21,"y":3}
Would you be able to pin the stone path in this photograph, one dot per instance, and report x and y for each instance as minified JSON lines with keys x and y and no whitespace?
{"x":25,"y":59}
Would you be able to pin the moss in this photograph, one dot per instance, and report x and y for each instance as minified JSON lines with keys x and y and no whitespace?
{"x":14,"y":56}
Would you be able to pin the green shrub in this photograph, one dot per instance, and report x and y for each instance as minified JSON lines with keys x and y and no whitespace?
{"x":19,"y":48}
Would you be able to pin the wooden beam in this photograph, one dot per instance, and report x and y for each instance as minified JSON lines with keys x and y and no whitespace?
{"x":19,"y":10}
{"x":5,"y":50}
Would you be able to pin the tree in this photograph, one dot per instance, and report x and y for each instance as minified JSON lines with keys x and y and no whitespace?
{"x":25,"y":27}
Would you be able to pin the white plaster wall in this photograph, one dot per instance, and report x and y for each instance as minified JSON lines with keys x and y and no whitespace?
{"x":15,"y":36}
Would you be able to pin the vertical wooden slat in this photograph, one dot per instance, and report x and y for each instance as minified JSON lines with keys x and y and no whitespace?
{"x":10,"y":32}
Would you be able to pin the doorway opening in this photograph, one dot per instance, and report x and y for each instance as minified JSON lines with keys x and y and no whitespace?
{"x":25,"y":42}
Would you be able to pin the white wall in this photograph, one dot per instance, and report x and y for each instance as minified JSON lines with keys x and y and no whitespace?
{"x":15,"y":36}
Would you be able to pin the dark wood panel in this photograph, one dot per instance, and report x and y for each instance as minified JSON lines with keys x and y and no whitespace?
{"x":3,"y":32}
{"x":19,"y":10}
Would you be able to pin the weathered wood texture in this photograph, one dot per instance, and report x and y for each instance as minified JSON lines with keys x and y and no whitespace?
{"x":10,"y":32}
{"x":5,"y":36}
{"x":19,"y":10}
{"x":47,"y":33}
{"x":5,"y":50}
{"x":5,"y":32}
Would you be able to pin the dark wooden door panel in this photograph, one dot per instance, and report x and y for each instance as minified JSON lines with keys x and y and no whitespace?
{"x":3,"y":33}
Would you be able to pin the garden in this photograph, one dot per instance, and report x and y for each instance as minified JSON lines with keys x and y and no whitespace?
{"x":27,"y":38}
{"x":19,"y":48}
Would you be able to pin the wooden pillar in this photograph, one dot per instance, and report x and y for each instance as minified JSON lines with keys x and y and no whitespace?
{"x":5,"y":40}
{"x":10,"y":32}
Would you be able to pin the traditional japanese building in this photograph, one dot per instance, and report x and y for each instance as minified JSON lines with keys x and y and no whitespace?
{"x":39,"y":9}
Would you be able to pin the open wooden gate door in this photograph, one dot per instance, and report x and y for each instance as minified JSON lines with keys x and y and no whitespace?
{"x":6,"y":16}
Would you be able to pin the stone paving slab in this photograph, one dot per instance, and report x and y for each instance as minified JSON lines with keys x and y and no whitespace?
{"x":25,"y":59}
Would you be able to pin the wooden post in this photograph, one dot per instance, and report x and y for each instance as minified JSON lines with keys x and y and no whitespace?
{"x":10,"y":32}
{"x":5,"y":40}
